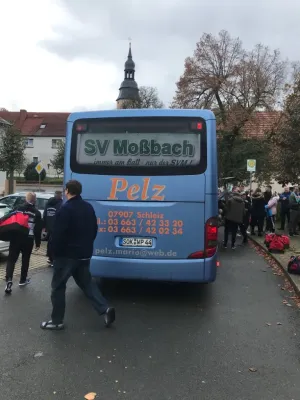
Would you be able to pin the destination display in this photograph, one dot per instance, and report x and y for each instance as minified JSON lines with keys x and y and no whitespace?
{"x":139,"y":223}
{"x":139,"y":149}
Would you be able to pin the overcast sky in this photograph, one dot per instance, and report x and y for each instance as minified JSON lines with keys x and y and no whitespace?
{"x":65,"y":55}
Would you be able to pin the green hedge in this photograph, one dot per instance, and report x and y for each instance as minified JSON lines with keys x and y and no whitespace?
{"x":49,"y":181}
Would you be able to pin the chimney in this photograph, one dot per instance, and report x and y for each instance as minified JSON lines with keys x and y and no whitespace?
{"x":20,"y":121}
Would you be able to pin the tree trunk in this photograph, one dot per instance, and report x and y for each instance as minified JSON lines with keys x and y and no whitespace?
{"x":11,"y":182}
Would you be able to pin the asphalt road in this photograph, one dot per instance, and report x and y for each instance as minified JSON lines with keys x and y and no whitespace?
{"x":169,"y":342}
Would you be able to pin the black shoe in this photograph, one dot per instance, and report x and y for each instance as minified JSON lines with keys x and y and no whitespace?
{"x":225,"y":245}
{"x":24,"y":283}
{"x":281,"y":229}
{"x":8,"y":287}
{"x":109,"y":316}
{"x":49,"y":325}
{"x":260,"y":234}
{"x":252,"y":233}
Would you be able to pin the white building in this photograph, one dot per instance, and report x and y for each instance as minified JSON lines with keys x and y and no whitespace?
{"x":42,"y":133}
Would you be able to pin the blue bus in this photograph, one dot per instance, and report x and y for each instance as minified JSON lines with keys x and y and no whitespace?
{"x":151,"y":176}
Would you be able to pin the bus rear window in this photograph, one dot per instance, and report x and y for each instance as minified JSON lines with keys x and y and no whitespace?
{"x":138,"y":146}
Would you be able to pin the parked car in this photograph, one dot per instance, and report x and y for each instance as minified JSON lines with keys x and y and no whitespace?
{"x":16,"y":199}
{"x":4,"y":246}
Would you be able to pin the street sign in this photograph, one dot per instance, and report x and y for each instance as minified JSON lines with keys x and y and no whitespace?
{"x":251,"y":165}
{"x":39,"y":168}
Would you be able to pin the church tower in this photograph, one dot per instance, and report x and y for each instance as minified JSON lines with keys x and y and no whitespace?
{"x":129,"y":90}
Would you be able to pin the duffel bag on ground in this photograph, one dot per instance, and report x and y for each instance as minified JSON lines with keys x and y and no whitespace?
{"x":294,"y":265}
{"x":275,"y":243}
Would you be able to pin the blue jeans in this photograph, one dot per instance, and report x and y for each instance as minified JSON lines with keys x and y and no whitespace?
{"x":63,"y":269}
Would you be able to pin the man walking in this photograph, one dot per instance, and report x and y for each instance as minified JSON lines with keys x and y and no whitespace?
{"x":24,"y":244}
{"x":74,"y":232}
{"x":51,"y":208}
{"x":234,"y":215}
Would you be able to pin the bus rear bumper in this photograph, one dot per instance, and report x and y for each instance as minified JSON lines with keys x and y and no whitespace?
{"x":197,"y":271}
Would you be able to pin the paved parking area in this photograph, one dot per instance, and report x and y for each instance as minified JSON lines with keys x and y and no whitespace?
{"x":38,"y":260}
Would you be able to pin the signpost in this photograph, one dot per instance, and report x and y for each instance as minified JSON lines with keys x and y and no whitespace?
{"x":251,"y":167}
{"x":39,"y":169}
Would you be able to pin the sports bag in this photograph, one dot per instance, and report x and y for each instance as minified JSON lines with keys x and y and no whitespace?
{"x":294,"y":265}
{"x":276,"y":243}
{"x":13,"y":224}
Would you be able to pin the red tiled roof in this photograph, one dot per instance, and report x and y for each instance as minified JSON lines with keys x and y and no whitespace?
{"x":262,"y":123}
{"x":30,"y":123}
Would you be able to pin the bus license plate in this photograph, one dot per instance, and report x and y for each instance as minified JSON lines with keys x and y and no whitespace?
{"x":136,"y":242}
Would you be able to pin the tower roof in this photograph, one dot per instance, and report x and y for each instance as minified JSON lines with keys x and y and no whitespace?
{"x":129,"y":64}
{"x":129,"y":89}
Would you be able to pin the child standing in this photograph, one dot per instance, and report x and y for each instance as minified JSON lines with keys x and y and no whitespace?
{"x":271,"y":209}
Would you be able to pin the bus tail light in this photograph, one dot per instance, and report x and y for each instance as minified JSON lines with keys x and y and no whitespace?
{"x":211,"y":240}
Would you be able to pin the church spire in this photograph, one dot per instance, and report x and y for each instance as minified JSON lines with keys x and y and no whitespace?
{"x":129,"y":88}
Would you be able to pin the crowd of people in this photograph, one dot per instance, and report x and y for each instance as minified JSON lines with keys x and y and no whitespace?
{"x":72,"y":228}
{"x":258,"y":210}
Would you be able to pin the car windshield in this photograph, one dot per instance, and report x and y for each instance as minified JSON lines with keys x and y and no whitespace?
{"x":41,"y":203}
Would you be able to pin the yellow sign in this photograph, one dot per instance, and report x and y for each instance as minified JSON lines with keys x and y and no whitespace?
{"x":251,"y":165}
{"x":39,"y":168}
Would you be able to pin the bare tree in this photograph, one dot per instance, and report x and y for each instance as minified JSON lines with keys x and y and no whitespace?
{"x":224,"y":77}
{"x":149,"y":98}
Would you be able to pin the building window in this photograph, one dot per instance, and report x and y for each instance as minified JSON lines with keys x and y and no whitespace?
{"x":43,"y":126}
{"x":28,"y":142}
{"x":55,"y":143}
{"x":35,"y":159}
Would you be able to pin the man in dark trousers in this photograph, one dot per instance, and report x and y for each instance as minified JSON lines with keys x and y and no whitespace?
{"x":24,"y":244}
{"x":234,"y":216}
{"x":51,"y":208}
{"x":75,"y":229}
{"x":284,"y":200}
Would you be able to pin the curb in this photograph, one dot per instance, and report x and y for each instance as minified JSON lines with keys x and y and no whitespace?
{"x":286,"y":274}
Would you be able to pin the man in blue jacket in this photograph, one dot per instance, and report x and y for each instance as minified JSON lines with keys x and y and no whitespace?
{"x":74,"y":232}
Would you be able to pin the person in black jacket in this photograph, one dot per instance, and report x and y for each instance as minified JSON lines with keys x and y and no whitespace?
{"x":258,"y":212}
{"x":24,"y":244}
{"x":51,"y":208}
{"x":75,"y":229}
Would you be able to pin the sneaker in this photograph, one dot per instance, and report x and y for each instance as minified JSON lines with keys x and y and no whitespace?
{"x":49,"y":325}
{"x":224,"y":246}
{"x":109,"y":316}
{"x":296,"y":234}
{"x":8,"y":287}
{"x":49,"y":261}
{"x":233,"y":247}
{"x":24,"y":283}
